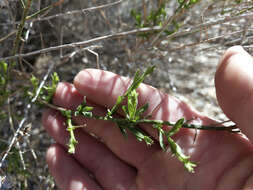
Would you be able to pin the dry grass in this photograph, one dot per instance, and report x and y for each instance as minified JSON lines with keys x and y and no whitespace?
{"x":78,"y":34}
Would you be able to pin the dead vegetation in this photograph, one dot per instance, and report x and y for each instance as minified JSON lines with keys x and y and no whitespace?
{"x":38,"y":37}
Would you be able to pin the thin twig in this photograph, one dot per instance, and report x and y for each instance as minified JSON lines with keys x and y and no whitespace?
{"x":165,"y":25}
{"x":196,"y":28}
{"x":68,"y":13}
{"x":13,"y":130}
{"x":232,"y":128}
{"x":78,"y":11}
{"x":21,"y":27}
{"x":7,"y":36}
{"x":28,"y":107}
{"x":21,"y":124}
{"x":97,"y":57}
{"x":43,"y":81}
{"x":84,"y":43}
{"x":131,"y":32}
{"x":206,"y":40}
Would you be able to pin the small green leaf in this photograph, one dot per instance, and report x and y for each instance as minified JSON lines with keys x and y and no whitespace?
{"x":177,"y":151}
{"x":78,"y":110}
{"x":137,"y":16}
{"x":71,"y":145}
{"x":140,"y":135}
{"x":87,"y":114}
{"x":34,"y":81}
{"x":4,"y":67}
{"x":55,"y":79}
{"x":66,"y":113}
{"x":148,"y":140}
{"x":84,"y":110}
{"x":87,"y":108}
{"x":176,"y":127}
{"x":141,"y":110}
{"x":122,"y":129}
{"x":72,"y":140}
{"x":160,"y":132}
{"x":115,"y":107}
{"x":124,"y":108}
{"x":138,"y":79}
{"x":119,"y":99}
{"x":132,"y":104}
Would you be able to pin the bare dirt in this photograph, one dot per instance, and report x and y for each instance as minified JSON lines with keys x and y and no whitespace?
{"x":185,"y":64}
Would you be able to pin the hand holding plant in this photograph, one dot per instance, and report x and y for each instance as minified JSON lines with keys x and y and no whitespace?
{"x":117,"y":162}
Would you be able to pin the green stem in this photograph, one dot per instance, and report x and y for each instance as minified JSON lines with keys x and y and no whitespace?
{"x":232,"y":128}
{"x":21,"y":27}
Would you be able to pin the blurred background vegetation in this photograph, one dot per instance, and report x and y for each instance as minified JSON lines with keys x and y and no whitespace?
{"x":183,"y":38}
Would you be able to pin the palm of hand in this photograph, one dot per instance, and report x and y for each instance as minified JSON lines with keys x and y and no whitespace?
{"x":224,"y":159}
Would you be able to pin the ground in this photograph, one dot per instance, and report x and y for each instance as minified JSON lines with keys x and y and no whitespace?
{"x":185,"y":60}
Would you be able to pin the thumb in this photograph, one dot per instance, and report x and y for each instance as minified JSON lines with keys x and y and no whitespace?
{"x":234,"y":88}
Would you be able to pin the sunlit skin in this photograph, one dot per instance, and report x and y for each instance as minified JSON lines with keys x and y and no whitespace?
{"x":111,"y":162}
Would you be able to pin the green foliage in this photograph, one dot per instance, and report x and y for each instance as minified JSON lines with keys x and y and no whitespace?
{"x":46,"y":92}
{"x":155,"y":17}
{"x":50,"y":90}
{"x":3,"y":82}
{"x":130,"y":122}
{"x":138,"y":79}
{"x":72,"y":140}
{"x":35,"y":83}
{"x":176,"y":127}
{"x":177,"y":151}
{"x":13,"y":162}
{"x":3,"y":73}
{"x":159,"y":16}
{"x":238,"y":1}
{"x":84,"y":110}
{"x":187,"y":3}
{"x":138,"y":18}
{"x":133,"y":116}
{"x":140,"y":135}
{"x":131,"y":108}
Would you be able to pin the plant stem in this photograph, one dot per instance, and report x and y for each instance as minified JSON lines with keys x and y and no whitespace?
{"x":21,"y":27}
{"x":232,"y":128}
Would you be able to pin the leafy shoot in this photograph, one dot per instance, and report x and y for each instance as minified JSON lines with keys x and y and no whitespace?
{"x":133,"y":117}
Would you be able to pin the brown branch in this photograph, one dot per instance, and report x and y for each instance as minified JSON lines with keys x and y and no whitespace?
{"x":83,"y":43}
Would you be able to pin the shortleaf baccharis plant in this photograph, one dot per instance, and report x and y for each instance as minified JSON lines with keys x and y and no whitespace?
{"x":133,"y":118}
{"x":45,"y":94}
{"x":3,"y":81}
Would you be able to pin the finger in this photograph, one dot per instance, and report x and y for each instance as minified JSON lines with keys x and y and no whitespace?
{"x":234,"y":87}
{"x":130,"y":150}
{"x":109,"y":171}
{"x":67,"y":173}
{"x":104,"y":87}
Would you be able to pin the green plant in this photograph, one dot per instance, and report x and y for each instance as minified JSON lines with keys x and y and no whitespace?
{"x":45,"y":94}
{"x":132,"y":118}
{"x":3,"y":82}
{"x":159,"y":17}
{"x":187,"y":3}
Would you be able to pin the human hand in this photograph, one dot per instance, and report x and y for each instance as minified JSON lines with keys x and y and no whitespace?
{"x":225,"y":160}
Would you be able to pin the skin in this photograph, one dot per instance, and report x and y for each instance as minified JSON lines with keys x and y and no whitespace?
{"x":111,"y":162}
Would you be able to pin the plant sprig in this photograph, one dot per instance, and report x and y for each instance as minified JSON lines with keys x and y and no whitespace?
{"x":133,"y":117}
